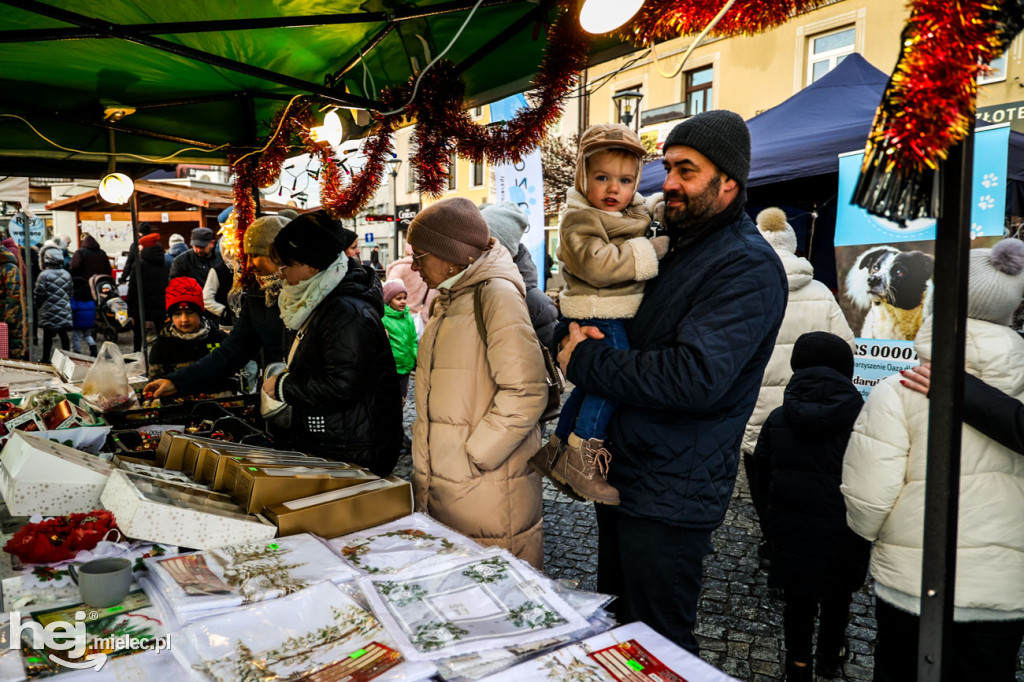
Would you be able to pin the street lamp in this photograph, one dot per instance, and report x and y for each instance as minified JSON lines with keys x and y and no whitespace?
{"x":393,"y":165}
{"x":628,"y":104}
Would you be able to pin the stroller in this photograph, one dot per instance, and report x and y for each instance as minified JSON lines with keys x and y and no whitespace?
{"x":111,"y":310}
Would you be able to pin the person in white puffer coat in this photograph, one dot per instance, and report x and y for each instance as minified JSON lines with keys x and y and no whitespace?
{"x":811,"y":308}
{"x":884,"y":488}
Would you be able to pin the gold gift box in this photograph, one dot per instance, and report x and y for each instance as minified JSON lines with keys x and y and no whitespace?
{"x":344,"y":511}
{"x":232,"y":466}
{"x":258,"y":487}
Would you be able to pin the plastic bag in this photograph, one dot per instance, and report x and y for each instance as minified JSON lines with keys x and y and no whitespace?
{"x":106,"y":385}
{"x":42,"y":400}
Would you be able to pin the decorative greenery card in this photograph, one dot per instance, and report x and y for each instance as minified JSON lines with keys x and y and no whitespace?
{"x":463,"y":605}
{"x":396,"y":546}
{"x":629,"y":653}
{"x":245,"y":573}
{"x":318,"y":633}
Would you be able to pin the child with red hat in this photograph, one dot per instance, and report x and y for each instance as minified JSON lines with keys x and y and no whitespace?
{"x":188,"y":334}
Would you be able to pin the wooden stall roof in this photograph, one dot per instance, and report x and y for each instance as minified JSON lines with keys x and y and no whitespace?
{"x":158,"y":196}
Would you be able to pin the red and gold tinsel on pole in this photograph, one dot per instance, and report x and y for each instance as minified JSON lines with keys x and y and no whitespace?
{"x":664,"y":19}
{"x":929,"y":102}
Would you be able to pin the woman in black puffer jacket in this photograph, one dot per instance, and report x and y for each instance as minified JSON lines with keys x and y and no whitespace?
{"x":341,"y":381}
{"x":155,"y":274}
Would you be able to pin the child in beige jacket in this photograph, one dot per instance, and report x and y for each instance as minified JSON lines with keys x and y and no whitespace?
{"x":606,"y":258}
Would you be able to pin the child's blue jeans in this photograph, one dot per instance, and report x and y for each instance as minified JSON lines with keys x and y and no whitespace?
{"x":587,"y":415}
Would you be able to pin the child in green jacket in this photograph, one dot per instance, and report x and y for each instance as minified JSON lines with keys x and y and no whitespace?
{"x":401,"y":331}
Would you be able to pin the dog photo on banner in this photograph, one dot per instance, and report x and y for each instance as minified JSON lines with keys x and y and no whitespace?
{"x":886,"y":271}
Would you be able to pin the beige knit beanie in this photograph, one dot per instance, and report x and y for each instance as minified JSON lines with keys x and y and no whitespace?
{"x":452,"y":229}
{"x":260,"y":235}
{"x":995,"y":283}
{"x":771,"y":222}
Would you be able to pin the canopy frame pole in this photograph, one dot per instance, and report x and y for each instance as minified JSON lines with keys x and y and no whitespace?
{"x":137,"y":274}
{"x":505,"y":35}
{"x":28,"y":290}
{"x":103,"y":125}
{"x":945,"y":414}
{"x":117,"y":31}
{"x":255,"y":23}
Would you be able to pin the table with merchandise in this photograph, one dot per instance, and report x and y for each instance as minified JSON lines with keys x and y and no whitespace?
{"x":249,"y":563}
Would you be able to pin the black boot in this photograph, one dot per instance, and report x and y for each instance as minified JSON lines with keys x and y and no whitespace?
{"x":830,"y":664}
{"x":92,"y":350}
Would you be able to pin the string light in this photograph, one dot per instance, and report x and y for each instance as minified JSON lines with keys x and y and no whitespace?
{"x":116,"y":188}
{"x":332,"y":131}
{"x":602,"y":16}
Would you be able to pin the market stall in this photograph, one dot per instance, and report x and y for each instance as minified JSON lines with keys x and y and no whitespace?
{"x":204,"y":559}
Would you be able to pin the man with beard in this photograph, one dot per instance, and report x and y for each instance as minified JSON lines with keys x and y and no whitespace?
{"x":686,"y":386}
{"x":200,"y":259}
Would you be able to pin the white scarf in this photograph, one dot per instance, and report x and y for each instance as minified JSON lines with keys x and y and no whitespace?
{"x":297,"y":301}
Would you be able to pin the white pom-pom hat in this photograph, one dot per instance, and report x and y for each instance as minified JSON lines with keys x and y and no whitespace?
{"x":996,"y":281}
{"x":771,"y":222}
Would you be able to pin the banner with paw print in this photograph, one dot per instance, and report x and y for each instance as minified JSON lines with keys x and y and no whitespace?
{"x":886,"y":269}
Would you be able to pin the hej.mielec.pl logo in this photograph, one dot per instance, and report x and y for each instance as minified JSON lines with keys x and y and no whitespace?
{"x":71,"y":637}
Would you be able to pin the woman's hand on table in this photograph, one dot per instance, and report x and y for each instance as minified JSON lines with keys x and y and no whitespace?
{"x":160,"y":387}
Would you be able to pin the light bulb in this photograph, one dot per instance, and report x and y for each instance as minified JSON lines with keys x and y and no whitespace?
{"x":116,"y":188}
{"x":331,"y":131}
{"x":602,"y":16}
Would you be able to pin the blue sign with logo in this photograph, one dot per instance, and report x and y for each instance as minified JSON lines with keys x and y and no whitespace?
{"x":855,"y":226}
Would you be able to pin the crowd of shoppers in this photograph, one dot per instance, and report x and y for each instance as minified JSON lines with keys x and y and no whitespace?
{"x":695,"y":348}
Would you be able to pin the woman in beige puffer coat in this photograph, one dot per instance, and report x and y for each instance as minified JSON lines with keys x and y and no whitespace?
{"x":477,"y":405}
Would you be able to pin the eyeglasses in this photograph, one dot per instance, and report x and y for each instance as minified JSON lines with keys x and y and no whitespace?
{"x":416,"y":258}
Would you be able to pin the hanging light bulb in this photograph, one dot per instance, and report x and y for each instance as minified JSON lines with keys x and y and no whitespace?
{"x":116,"y":188}
{"x":331,"y":132}
{"x":602,"y":16}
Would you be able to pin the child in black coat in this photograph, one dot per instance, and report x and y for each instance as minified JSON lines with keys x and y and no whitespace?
{"x":798,"y":464}
{"x":188,"y":334}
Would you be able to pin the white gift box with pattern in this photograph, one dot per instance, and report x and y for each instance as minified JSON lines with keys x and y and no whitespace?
{"x":161,"y":511}
{"x":38,"y":476}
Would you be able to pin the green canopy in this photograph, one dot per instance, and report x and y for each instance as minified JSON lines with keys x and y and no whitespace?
{"x":154,"y":78}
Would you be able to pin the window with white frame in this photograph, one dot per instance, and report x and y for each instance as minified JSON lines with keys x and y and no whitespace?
{"x":826,"y":50}
{"x":478,"y":174}
{"x":996,"y":72}
{"x":699,"y":90}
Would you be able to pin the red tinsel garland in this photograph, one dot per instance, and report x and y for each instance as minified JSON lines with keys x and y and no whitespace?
{"x":443,"y":126}
{"x":929,"y":102}
{"x":60,"y":538}
{"x":663,"y":19}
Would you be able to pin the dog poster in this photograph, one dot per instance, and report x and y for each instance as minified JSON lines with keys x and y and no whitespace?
{"x":887,"y":271}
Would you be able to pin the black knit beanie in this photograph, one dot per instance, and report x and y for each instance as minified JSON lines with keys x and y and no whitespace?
{"x":720,"y":135}
{"x":821,"y":349}
{"x":348,"y":237}
{"x":314,"y":239}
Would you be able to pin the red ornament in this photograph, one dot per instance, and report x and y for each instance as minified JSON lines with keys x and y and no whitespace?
{"x":60,"y":538}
